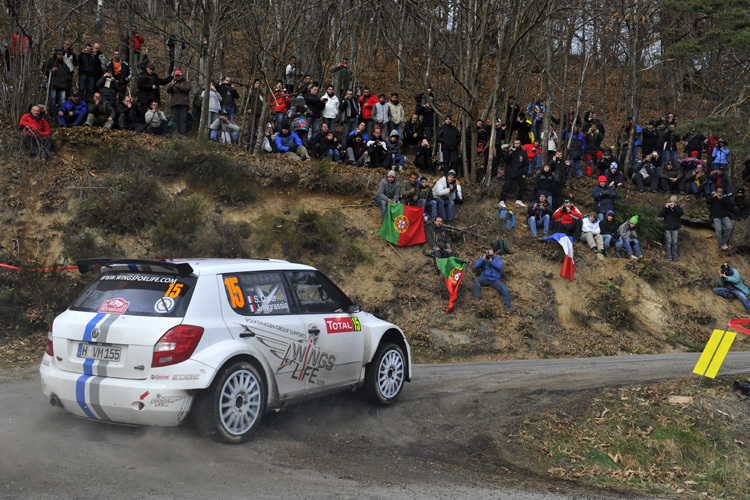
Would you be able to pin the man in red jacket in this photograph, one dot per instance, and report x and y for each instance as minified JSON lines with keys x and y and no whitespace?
{"x":567,"y":220}
{"x":36,"y":132}
{"x":367,"y":101}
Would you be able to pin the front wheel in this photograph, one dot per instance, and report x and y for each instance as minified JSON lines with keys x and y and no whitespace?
{"x":231,"y":408}
{"x":385,"y":375}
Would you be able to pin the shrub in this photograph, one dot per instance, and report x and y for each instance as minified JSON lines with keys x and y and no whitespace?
{"x":649,"y":228}
{"x":613,"y":307}
{"x":174,"y":234}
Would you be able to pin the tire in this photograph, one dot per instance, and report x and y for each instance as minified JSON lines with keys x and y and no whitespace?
{"x":386,"y":374}
{"x":231,"y":408}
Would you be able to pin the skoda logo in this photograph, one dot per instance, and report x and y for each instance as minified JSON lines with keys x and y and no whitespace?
{"x":95,"y":333}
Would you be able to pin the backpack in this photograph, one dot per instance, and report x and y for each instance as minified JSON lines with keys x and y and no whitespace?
{"x":507,"y":218}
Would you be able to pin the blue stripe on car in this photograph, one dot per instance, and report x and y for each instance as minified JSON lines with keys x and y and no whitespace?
{"x":87,"y":368}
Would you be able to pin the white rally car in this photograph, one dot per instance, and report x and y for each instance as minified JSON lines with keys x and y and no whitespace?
{"x":149,"y":342}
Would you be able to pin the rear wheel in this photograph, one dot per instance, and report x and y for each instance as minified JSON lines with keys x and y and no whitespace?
{"x":231,"y":408}
{"x":385,"y":376}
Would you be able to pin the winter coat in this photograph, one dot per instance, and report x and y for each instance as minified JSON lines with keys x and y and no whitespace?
{"x":388,"y":190}
{"x":608,"y":227}
{"x":366,"y":104}
{"x":146,"y":93}
{"x":124,"y":73}
{"x":225,"y":130}
{"x":539,"y":210}
{"x":577,"y":146}
{"x":545,"y":181}
{"x":214,"y":101}
{"x":228,"y":95}
{"x":492,"y":269}
{"x":603,"y":198}
{"x":88,"y":64}
{"x":77,"y":109}
{"x":733,"y":280}
{"x":331,"y":106}
{"x":516,"y":162}
{"x":671,"y":217}
{"x":132,"y":115}
{"x":719,"y":207}
{"x":437,"y":237}
{"x":38,"y":126}
{"x":381,"y":113}
{"x":720,"y":155}
{"x":593,"y":142}
{"x":350,"y":108}
{"x":315,"y":105}
{"x":285,"y":142}
{"x":411,"y":128}
{"x":449,"y":136}
{"x":625,"y":232}
{"x":397,"y":112}
{"x":62,"y":77}
{"x":441,"y":189}
{"x":107,"y":87}
{"x":102,"y":110}
{"x":279,"y":101}
{"x":590,"y":227}
{"x":567,"y":217}
{"x":154,"y":119}
{"x":671,"y":174}
{"x":651,"y":140}
{"x":180,"y":90}
{"x":394,"y":147}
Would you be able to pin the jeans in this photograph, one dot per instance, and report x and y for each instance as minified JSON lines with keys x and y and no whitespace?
{"x":71,"y":121}
{"x":215,"y":136}
{"x":670,"y":243}
{"x":279,"y":120}
{"x":56,"y":99}
{"x":606,"y":239}
{"x":180,"y":117}
{"x":349,"y":125}
{"x":314,"y":124}
{"x":383,"y":206}
{"x":398,"y":128}
{"x":670,"y":155}
{"x":723,"y":228}
{"x":577,"y":166}
{"x":703,"y":189}
{"x":631,"y":246}
{"x":441,"y":205}
{"x":535,"y":164}
{"x":398,"y":160}
{"x":726,"y":292}
{"x":230,"y":114}
{"x":333,"y":155}
{"x":432,"y":205}
{"x":497,"y":284}
{"x":534,"y":224}
{"x":86,"y":86}
{"x":212,"y":117}
{"x":331,"y":122}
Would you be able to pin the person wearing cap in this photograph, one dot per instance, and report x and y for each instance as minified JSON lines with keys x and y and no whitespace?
{"x":741,"y":204}
{"x":449,"y":138}
{"x":730,"y":286}
{"x":720,"y":155}
{"x":148,"y":86}
{"x":60,"y":77}
{"x":604,"y":197}
{"x":670,"y":216}
{"x":539,"y":214}
{"x":690,"y":163}
{"x":628,"y":238}
{"x":591,"y":234}
{"x":719,"y":209}
{"x":290,"y":144}
{"x":396,"y":109}
{"x":444,"y":194}
{"x":696,"y":181}
{"x":73,"y":112}
{"x":388,"y":192}
{"x":615,"y":179}
{"x":36,"y":132}
{"x":179,"y":88}
{"x":223,"y":130}
{"x":670,"y":178}
{"x":492,"y":267}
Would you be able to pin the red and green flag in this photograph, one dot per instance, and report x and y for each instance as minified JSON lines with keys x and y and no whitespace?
{"x":453,"y":271}
{"x":403,"y":225}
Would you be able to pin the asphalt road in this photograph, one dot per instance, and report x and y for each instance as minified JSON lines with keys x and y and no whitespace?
{"x":447,"y":437}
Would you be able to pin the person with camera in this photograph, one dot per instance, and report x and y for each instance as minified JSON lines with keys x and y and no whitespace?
{"x":516,"y":166}
{"x":539,"y":213}
{"x":100,"y":113}
{"x":615,"y":179}
{"x":645,"y":174}
{"x":567,"y":220}
{"x":180,"y":89}
{"x":229,"y":96}
{"x":491,"y":266}
{"x":730,"y":286}
{"x":155,"y":120}
{"x":108,"y":88}
{"x":120,"y":71}
{"x":148,"y":86}
{"x":719,"y":209}
{"x":444,"y":193}
{"x":223,"y":130}
{"x":670,"y":215}
{"x":377,"y":150}
{"x":89,"y":71}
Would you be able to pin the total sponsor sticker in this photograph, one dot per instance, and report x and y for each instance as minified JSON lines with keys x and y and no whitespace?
{"x":342,"y":325}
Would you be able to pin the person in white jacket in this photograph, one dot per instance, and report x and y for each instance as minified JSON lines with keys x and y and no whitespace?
{"x":156,"y":121}
{"x":331,"y":109}
{"x":444,"y":193}
{"x":214,"y":104}
{"x":591,"y":234}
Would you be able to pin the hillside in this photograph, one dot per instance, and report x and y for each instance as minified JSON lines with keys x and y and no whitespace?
{"x":116,"y":194}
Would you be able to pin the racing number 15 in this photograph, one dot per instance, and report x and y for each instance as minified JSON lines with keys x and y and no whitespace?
{"x":235,"y":293}
{"x":174,"y":290}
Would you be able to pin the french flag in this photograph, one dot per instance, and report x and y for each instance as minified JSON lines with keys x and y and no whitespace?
{"x":569,"y":266}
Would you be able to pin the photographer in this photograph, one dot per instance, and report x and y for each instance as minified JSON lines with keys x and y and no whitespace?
{"x":729,"y":285}
{"x":670,"y":215}
{"x":567,"y":220}
{"x":516,"y":166}
{"x":645,"y":175}
{"x":491,"y":266}
{"x":229,"y":96}
{"x":108,"y":88}
{"x":719,"y":209}
{"x":155,"y":120}
{"x":539,"y":213}
{"x":223,"y":130}
{"x":377,"y":150}
{"x":89,"y":72}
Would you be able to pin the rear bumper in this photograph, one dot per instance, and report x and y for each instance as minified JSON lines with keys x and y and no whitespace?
{"x":142,"y":402}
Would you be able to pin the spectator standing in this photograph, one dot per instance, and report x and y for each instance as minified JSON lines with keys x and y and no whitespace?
{"x":349,"y":109}
{"x":330,"y":108}
{"x":89,"y":71}
{"x":396,"y":121}
{"x":367,"y":102}
{"x":516,"y":166}
{"x":180,"y":88}
{"x":148,"y":86}
{"x":720,"y":155}
{"x":36,"y":133}
{"x":719,"y":210}
{"x":290,"y":75}
{"x":449,"y":139}
{"x":229,"y":97}
{"x":279,"y":102}
{"x":254,"y":111}
{"x":120,"y":71}
{"x":59,"y":78}
{"x":492,"y":267}
{"x":670,"y":215}
{"x":381,"y":113}
{"x":214,"y":103}
{"x":342,"y":76}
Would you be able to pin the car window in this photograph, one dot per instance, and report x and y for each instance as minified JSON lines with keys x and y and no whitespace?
{"x":139,"y":294}
{"x":316,"y":294}
{"x":256,"y":294}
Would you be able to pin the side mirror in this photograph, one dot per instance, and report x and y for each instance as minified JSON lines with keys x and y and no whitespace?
{"x":353,"y":309}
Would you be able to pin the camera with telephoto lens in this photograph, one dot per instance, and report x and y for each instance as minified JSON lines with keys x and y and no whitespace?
{"x":487,"y":255}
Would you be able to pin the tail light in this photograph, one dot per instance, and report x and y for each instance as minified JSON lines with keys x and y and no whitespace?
{"x":49,"y":349}
{"x":177,"y":345}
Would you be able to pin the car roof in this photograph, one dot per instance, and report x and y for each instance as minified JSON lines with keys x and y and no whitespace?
{"x":191,"y":266}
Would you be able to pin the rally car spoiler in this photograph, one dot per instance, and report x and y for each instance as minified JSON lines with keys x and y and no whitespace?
{"x":182,"y":269}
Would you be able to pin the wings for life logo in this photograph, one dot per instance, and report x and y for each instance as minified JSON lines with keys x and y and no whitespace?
{"x":114,"y":306}
{"x":401,"y":224}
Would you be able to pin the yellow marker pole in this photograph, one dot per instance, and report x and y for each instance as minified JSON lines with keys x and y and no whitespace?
{"x":714,"y":353}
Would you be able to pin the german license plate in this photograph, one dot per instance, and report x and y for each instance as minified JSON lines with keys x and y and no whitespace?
{"x":99,"y":352}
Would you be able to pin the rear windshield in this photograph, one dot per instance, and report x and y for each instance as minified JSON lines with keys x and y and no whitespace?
{"x":137,"y":294}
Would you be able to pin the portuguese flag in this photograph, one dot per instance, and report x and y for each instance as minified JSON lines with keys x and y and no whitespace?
{"x":403,"y":225}
{"x":453,"y":270}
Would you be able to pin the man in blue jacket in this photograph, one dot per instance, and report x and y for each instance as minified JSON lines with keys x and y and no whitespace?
{"x":491,"y":266}
{"x":73,"y":112}
{"x":729,"y":285}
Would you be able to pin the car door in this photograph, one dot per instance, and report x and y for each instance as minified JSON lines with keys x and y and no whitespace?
{"x":335,"y":353}
{"x":257,"y":309}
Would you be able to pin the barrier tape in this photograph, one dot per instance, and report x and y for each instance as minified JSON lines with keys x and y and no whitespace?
{"x":67,"y":268}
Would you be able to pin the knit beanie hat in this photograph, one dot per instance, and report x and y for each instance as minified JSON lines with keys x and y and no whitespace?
{"x":634,"y":219}
{"x":602,"y":179}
